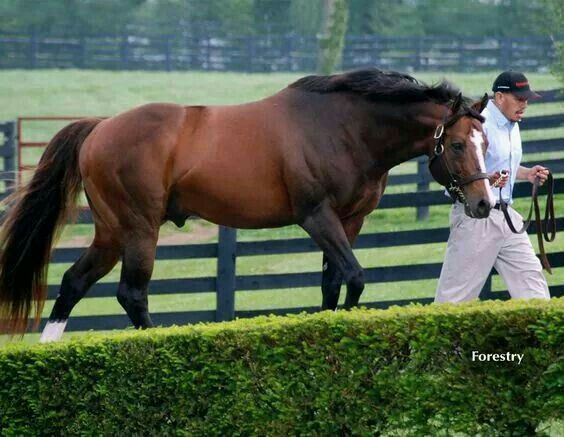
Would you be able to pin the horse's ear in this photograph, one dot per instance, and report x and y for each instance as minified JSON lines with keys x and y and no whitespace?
{"x":457,"y":103}
{"x":480,"y":104}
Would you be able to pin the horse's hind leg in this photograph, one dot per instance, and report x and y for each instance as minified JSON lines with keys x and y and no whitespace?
{"x":138,"y":261}
{"x":95,"y":263}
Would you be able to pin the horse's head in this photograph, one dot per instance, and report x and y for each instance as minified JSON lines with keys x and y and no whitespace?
{"x":457,"y":160}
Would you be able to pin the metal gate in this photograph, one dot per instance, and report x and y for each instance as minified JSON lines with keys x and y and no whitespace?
{"x":25,"y":130}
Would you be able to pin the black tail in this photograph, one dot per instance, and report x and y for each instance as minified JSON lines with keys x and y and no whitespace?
{"x":32,"y":224}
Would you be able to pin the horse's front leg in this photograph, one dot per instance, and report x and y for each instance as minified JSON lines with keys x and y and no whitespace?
{"x":352,"y":229}
{"x":331,"y":281}
{"x":332,"y":277}
{"x":326,"y":229}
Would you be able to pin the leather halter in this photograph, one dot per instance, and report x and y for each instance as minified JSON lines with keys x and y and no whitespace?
{"x":549,"y":221}
{"x":440,"y":168}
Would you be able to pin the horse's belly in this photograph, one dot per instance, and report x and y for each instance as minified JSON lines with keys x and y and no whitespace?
{"x":235,"y":204}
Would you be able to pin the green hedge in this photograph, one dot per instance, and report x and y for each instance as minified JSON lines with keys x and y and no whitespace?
{"x":402,"y":371}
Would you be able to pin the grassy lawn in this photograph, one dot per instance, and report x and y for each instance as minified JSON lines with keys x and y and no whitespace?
{"x":71,"y":92}
{"x":90,"y":92}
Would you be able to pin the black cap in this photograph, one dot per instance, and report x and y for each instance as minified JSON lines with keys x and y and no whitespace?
{"x":515,"y":83}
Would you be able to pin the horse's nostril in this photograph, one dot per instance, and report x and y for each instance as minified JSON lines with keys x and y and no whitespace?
{"x":483,"y":208}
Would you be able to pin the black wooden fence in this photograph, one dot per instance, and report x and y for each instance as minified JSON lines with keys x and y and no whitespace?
{"x":190,"y":49}
{"x":228,"y":249}
{"x":8,"y":153}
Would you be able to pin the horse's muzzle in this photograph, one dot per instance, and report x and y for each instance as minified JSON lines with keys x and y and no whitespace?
{"x":483,"y":208}
{"x":479,"y":210}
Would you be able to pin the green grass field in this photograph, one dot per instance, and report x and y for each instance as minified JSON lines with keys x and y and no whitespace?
{"x":101,"y":93}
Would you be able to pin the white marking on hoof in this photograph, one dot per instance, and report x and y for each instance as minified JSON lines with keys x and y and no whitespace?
{"x":325,"y":265}
{"x":53,"y":331}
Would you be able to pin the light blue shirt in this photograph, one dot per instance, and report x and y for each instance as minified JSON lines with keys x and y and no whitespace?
{"x":504,"y":149}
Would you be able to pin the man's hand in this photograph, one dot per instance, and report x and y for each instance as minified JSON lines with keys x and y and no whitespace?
{"x":537,"y":171}
{"x":497,"y":180}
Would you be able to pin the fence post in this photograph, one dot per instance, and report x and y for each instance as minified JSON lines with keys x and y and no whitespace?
{"x":192,"y":48}
{"x":506,"y":55}
{"x":461,"y":54}
{"x":10,"y":158}
{"x":422,"y":185}
{"x":208,"y":53}
{"x":248,"y":66}
{"x":289,"y":43}
{"x":81,"y":51}
{"x":226,"y":256}
{"x":32,"y":55}
{"x":375,"y":48}
{"x":124,"y":51}
{"x":168,"y":55}
{"x":417,"y":61}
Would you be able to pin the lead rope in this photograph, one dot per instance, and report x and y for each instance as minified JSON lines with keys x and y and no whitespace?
{"x":549,"y":221}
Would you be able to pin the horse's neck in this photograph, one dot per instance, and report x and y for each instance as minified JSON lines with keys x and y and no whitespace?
{"x":401,"y":133}
{"x":376,"y":136}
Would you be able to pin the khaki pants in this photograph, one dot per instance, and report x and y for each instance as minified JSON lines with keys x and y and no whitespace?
{"x":477,"y":245}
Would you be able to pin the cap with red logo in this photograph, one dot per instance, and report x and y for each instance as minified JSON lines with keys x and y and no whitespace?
{"x":515,"y":83}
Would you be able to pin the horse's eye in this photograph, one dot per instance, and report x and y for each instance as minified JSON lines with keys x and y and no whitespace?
{"x":458,"y":147}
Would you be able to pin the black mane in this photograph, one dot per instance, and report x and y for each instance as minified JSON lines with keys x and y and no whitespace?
{"x":379,"y":85}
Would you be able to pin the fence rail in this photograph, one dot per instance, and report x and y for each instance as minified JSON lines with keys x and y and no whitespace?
{"x":190,"y":49}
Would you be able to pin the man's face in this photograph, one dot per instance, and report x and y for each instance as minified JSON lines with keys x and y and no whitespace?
{"x":512,"y":106}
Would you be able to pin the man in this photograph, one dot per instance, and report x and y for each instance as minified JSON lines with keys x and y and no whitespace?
{"x":477,"y":245}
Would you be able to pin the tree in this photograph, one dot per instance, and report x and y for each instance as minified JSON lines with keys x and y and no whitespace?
{"x":555,"y":24}
{"x":305,"y":16}
{"x":383,"y":17}
{"x":332,"y":34}
{"x":67,"y":16}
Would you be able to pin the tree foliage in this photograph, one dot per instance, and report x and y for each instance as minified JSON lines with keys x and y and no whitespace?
{"x":68,"y":16}
{"x":220,"y":18}
{"x":555,"y":24}
{"x":332,"y":35}
{"x":383,"y":17}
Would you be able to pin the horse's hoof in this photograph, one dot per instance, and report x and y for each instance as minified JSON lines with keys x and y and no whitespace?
{"x":53,"y":331}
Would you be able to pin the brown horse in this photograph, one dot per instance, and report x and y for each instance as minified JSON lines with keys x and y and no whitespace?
{"x":315,"y":154}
